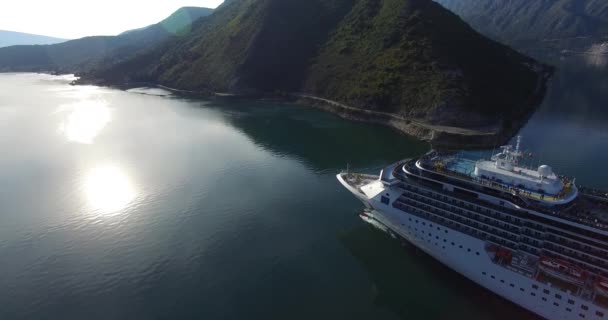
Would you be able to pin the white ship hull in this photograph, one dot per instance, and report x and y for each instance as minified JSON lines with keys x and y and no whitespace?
{"x":467,"y":255}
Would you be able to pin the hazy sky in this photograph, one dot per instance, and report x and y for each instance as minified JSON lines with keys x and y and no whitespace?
{"x":78,"y":18}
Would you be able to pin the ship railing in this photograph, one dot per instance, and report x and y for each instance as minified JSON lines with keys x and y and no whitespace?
{"x":591,"y":257}
{"x":468,"y":222}
{"x":438,"y":166}
{"x":462,"y":227}
{"x":493,"y":216}
{"x":556,"y":212}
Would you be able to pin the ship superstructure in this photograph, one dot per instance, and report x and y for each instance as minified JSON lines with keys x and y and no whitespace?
{"x":529,"y":235}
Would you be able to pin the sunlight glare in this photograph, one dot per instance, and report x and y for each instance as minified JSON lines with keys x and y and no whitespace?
{"x":85,"y":121}
{"x":108,"y":189}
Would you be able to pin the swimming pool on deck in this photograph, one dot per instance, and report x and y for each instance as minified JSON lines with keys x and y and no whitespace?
{"x":464,"y":166}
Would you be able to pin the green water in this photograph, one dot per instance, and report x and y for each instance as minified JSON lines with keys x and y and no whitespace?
{"x":122,"y":205}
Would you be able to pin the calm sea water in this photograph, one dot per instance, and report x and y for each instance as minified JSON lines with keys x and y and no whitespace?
{"x":136,"y":205}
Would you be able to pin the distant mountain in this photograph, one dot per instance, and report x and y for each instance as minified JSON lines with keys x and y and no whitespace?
{"x":409,"y":58}
{"x":559,"y":24}
{"x":12,"y":38}
{"x":92,"y":52}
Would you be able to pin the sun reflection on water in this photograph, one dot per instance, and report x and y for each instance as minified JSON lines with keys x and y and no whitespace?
{"x":108,"y":189}
{"x":85,"y":121}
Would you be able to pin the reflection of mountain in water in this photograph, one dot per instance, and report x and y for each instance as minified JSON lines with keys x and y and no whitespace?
{"x":578,"y":89}
{"x":320,"y":139}
{"x":407,"y":281}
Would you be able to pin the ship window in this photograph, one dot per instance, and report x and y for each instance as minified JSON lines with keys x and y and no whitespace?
{"x":568,"y":309}
{"x":502,"y":281}
{"x":469,"y":250}
{"x":385,"y":200}
{"x":599,"y":313}
{"x":521,"y":289}
{"x":534,"y":286}
{"x":533,"y":294}
{"x":492,"y":276}
{"x":558,"y":296}
{"x":556,"y":304}
{"x":512,"y":285}
{"x":484,"y":273}
{"x":581,"y":315}
{"x":570,"y":301}
{"x":460,"y":246}
{"x":584,"y":307}
{"x":452,"y":243}
{"x":546,"y":291}
{"x":544,"y":299}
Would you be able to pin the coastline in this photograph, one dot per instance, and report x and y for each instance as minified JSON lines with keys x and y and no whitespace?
{"x":444,"y":137}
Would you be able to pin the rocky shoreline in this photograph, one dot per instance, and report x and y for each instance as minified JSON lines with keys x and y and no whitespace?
{"x":437,"y":135}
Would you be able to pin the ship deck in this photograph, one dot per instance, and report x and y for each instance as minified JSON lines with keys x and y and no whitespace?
{"x":589,"y":207}
{"x":464,"y":169}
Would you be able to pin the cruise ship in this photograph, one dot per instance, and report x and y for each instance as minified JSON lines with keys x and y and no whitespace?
{"x":528,"y":235}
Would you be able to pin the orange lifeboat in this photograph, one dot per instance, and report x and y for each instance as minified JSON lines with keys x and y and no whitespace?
{"x":601,"y":286}
{"x":563,"y":270}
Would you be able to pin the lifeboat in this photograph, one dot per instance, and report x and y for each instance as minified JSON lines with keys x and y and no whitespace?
{"x":563,"y":270}
{"x":601,"y":286}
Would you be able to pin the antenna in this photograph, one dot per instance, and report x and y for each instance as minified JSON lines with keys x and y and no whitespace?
{"x":518,"y":143}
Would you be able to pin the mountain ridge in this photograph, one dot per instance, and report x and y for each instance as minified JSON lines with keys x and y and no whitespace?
{"x":412,"y":58}
{"x":555,"y":24}
{"x":13,"y":38}
{"x":89,"y":53}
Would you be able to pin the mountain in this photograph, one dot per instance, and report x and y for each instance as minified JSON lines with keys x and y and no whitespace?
{"x":12,"y":38}
{"x":398,"y":58}
{"x":92,"y":52}
{"x":525,"y":24}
